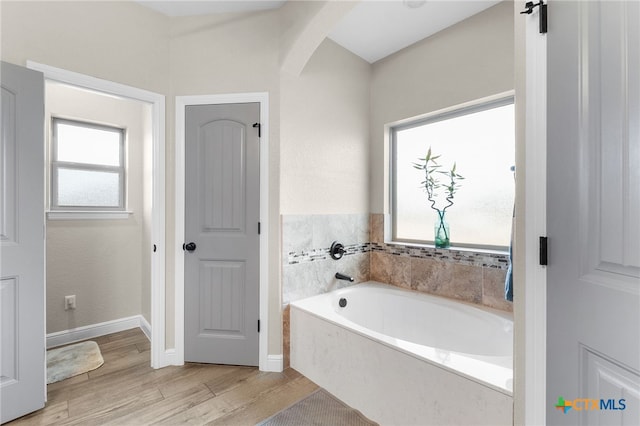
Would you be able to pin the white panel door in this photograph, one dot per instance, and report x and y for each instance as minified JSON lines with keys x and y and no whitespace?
{"x":221,"y":214}
{"x":22,"y":354}
{"x":593,"y":217}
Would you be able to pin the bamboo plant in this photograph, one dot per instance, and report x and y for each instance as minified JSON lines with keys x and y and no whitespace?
{"x":439,"y":184}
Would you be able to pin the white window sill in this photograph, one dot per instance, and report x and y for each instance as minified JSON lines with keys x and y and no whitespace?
{"x":88,"y":215}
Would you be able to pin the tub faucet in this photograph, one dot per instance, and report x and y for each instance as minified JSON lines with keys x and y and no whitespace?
{"x":343,"y":277}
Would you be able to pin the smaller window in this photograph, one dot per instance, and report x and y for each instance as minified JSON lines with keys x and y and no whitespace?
{"x":87,"y":167}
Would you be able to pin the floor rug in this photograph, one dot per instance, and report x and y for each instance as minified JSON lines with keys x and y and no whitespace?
{"x":319,"y":408}
{"x":72,"y":360}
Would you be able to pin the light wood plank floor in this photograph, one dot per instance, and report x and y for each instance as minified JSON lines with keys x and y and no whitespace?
{"x":127,"y":391}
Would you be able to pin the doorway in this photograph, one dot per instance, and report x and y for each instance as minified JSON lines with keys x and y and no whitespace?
{"x":222,"y":225}
{"x":154,"y":104}
{"x":265,"y":362}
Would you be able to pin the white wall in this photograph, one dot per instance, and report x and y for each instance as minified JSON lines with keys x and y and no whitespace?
{"x":117,"y":41}
{"x":99,"y":261}
{"x":130,"y":44}
{"x":324,"y":134}
{"x":133,"y":45}
{"x":467,"y":61}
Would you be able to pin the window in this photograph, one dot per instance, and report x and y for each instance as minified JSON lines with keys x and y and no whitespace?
{"x":480,"y":140}
{"x":87,"y":167}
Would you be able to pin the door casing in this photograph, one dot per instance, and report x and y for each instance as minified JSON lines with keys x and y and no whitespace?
{"x":530,"y":278}
{"x":266,"y":362}
{"x":159,"y":356}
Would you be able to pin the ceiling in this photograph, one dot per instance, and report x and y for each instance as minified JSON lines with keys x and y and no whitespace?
{"x":375,"y":29}
{"x":372,"y":30}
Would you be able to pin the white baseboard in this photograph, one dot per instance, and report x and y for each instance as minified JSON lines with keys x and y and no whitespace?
{"x":65,"y":337}
{"x":171,"y":358}
{"x":274,"y":363}
{"x":145,"y":327}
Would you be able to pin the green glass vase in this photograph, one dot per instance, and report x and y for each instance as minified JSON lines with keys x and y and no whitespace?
{"x":441,"y":231}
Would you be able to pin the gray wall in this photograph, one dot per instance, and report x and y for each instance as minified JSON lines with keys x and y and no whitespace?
{"x":103,"y":262}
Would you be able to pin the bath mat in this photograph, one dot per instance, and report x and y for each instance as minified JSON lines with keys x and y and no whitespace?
{"x":72,"y":360}
{"x":319,"y":408}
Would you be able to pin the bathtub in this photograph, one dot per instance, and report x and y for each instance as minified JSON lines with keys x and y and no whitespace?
{"x":402,"y":357}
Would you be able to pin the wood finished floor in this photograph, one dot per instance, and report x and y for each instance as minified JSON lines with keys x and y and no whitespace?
{"x":127,"y":391}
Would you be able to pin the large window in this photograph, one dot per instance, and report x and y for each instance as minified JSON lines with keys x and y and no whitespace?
{"x":87,"y":167}
{"x":479,"y":139}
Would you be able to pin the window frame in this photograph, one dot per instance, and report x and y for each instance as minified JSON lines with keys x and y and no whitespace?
{"x":478,"y":105}
{"x":55,"y":165}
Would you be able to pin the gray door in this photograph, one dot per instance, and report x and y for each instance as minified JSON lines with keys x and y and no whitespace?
{"x":222,"y":213}
{"x":22,"y":336}
{"x":593,"y":217}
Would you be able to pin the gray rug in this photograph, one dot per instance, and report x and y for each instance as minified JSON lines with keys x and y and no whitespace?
{"x":72,"y":360}
{"x":319,"y":408}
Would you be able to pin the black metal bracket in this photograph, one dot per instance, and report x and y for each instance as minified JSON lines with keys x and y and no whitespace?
{"x":528,"y":10}
{"x":259,"y":126}
{"x":543,"y":251}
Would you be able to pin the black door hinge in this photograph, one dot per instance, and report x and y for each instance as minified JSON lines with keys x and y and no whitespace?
{"x":154,"y":248}
{"x":258,"y":326}
{"x":528,"y":10}
{"x":543,"y":251}
{"x":259,"y":126}
{"x":259,"y":227}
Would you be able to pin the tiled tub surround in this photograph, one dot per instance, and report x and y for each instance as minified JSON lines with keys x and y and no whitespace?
{"x":474,"y":277}
{"x":307,"y":269}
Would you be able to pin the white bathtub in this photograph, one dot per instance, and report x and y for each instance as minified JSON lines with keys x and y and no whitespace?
{"x":403,"y":357}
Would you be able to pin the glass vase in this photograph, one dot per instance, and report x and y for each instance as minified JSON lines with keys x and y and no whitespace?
{"x":441,"y":231}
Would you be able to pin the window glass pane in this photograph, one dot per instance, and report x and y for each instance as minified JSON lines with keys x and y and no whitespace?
{"x":482,"y":146}
{"x":84,"y":188}
{"x":88,"y":145}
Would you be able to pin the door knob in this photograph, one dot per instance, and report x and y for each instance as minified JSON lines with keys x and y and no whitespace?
{"x":189,"y":246}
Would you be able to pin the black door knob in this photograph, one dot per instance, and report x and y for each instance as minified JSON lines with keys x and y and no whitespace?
{"x":190,"y":246}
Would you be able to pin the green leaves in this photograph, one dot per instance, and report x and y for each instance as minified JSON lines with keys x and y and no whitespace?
{"x":431,"y":183}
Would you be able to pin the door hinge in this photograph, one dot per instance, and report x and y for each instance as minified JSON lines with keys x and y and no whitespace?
{"x":155,"y":248}
{"x":528,"y":10}
{"x":259,"y":126}
{"x":259,"y":227}
{"x":543,"y":251}
{"x":258,"y":326}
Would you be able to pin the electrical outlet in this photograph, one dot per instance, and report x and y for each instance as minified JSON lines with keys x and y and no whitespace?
{"x":69,"y":302}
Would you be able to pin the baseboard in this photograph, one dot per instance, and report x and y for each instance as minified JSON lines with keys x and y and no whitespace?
{"x":171,"y":358}
{"x":65,"y":337}
{"x":274,"y":363}
{"x":145,"y":327}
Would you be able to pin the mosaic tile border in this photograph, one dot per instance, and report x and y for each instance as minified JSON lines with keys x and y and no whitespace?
{"x":313,"y":255}
{"x":463,"y":257}
{"x":471,"y":258}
